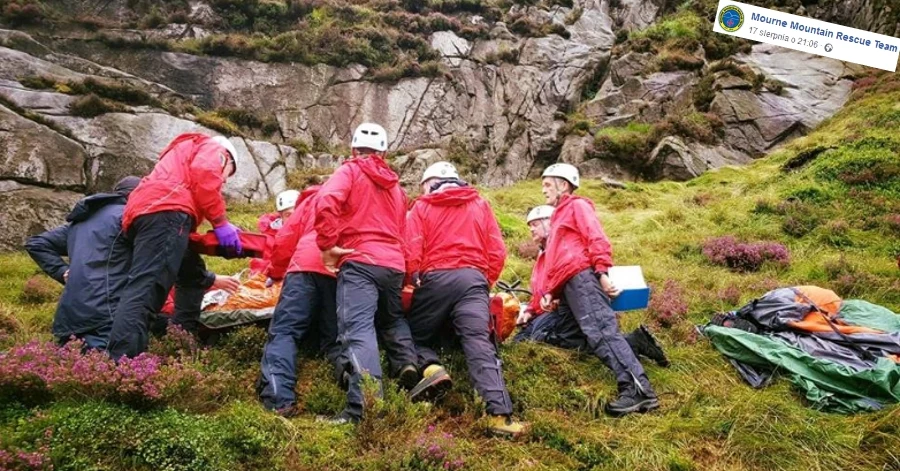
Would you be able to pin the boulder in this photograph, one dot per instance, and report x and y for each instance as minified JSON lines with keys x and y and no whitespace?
{"x":30,"y":210}
{"x":673,"y":159}
{"x":33,"y":153}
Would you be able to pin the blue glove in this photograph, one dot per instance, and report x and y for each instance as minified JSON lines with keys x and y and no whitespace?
{"x":229,"y":239}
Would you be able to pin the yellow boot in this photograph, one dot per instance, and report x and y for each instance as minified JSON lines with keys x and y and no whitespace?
{"x":504,"y":425}
{"x":435,"y":383}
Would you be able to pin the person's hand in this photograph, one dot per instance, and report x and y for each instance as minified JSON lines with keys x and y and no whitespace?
{"x":608,"y":287}
{"x":547,"y":303}
{"x":332,"y":256}
{"x":229,"y":239}
{"x":228,"y":284}
{"x":523,"y":318}
{"x":66,"y":277}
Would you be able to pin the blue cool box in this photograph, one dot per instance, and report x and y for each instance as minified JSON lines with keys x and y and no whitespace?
{"x":635,"y":292}
{"x":631,"y":299}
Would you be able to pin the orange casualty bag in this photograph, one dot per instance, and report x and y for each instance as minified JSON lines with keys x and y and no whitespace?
{"x":504,"y":311}
{"x":254,"y":245}
{"x":252,"y":294}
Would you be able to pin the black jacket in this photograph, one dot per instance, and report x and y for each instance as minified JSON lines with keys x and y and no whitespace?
{"x":99,"y":259}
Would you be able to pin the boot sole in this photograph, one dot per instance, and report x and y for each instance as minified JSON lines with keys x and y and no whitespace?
{"x":432,"y":388}
{"x":644,"y":406}
{"x":408,"y":379}
{"x":662,"y":359}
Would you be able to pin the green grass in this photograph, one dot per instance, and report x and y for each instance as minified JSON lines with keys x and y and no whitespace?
{"x":709,"y":419}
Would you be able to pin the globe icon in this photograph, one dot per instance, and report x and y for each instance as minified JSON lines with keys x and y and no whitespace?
{"x":731,"y":18}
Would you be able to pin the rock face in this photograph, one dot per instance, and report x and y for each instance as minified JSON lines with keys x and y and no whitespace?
{"x":502,"y":99}
{"x":29,"y":210}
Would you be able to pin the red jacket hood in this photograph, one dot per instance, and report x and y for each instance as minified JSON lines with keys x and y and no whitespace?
{"x":451,"y":196}
{"x":377,"y":170}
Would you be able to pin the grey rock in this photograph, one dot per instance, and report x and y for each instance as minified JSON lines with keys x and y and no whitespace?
{"x":30,"y":210}
{"x":33,"y":153}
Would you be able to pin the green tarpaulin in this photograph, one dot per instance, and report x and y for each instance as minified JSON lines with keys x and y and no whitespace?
{"x":828,"y":385}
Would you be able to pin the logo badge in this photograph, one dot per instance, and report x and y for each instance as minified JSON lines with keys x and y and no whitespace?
{"x":731,"y":18}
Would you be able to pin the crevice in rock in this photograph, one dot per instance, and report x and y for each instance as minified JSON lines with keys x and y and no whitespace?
{"x":26,"y":181}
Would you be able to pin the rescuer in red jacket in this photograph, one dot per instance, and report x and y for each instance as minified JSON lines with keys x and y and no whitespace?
{"x":553,"y":327}
{"x":360,"y":219}
{"x":270,"y":223}
{"x":307,"y":301}
{"x":578,"y":257}
{"x":455,"y":253}
{"x":183,"y":190}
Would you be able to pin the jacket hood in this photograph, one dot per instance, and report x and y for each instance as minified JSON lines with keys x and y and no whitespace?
{"x":566,"y":200}
{"x":457,"y":196}
{"x":90,"y":205}
{"x":377,"y":170}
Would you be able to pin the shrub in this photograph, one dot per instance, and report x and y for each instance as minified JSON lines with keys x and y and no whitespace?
{"x":731,"y":295}
{"x":40,"y":289}
{"x":38,"y":371}
{"x":435,"y":451}
{"x":21,"y":12}
{"x":20,"y":460}
{"x":90,"y":106}
{"x":668,"y":306}
{"x":623,"y":143}
{"x":117,"y":92}
{"x":528,"y":250}
{"x":245,"y":344}
{"x":744,"y":257}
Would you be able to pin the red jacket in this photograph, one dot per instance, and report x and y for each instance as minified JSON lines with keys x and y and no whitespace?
{"x":268,"y":225}
{"x":538,"y":282}
{"x":576,"y":242}
{"x":454,"y":228}
{"x":295,"y":247}
{"x":188,"y":178}
{"x":362,"y":207}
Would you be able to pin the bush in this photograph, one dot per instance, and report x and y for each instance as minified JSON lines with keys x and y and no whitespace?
{"x":528,"y":250}
{"x":117,"y":92}
{"x":730,"y":296}
{"x":40,"y":289}
{"x":38,"y":371}
{"x":435,"y":451}
{"x":744,"y":257}
{"x":668,"y":306}
{"x":91,"y":106}
{"x":623,"y":144}
{"x":21,"y":12}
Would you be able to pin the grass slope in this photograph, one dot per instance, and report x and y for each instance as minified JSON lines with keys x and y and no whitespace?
{"x":832,"y":197}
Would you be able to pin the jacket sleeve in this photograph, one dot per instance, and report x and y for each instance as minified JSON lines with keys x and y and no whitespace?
{"x":494,"y":246}
{"x":329,"y":206}
{"x":414,"y":245}
{"x":48,"y":249}
{"x":207,"y":179}
{"x":286,"y":241}
{"x":264,"y":222}
{"x":598,"y":246}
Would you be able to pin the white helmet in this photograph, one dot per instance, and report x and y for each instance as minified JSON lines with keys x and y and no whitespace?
{"x":370,"y":135}
{"x":565,"y":171}
{"x":539,"y":212}
{"x":286,"y":200}
{"x":224,"y":142}
{"x":439,"y":170}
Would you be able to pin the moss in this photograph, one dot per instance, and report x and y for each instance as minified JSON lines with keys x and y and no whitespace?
{"x":217,"y":122}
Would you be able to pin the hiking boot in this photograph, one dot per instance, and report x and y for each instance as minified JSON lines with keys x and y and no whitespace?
{"x":288,"y":412}
{"x":343,"y":418}
{"x":435,"y":383}
{"x":631,"y":402}
{"x":408,"y":377}
{"x":505,"y":426}
{"x":647,"y":346}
